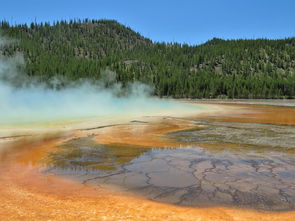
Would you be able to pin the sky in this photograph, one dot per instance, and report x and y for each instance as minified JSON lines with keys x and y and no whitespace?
{"x":182,"y":21}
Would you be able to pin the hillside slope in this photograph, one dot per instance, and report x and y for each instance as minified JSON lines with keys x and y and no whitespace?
{"x":219,"y":68}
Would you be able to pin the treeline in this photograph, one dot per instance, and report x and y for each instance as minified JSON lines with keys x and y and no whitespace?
{"x":76,"y":49}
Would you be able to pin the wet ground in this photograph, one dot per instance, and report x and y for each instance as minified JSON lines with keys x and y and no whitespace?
{"x":246,"y":165}
{"x":236,"y":163}
{"x":243,"y":135}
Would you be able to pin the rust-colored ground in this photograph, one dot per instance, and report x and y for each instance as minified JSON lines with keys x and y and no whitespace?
{"x":150,"y":134}
{"x":255,"y":113}
{"x":27,"y":194}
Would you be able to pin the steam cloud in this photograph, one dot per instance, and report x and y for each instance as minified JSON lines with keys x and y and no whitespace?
{"x":23,"y":101}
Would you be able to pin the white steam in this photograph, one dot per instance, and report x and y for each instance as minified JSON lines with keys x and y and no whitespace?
{"x":26,"y":103}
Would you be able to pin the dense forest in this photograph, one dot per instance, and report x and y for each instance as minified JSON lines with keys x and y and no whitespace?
{"x":75,"y":49}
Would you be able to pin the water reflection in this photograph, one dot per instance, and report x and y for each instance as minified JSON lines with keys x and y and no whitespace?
{"x":190,"y":176}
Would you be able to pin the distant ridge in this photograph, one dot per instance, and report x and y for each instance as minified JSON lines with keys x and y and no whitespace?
{"x":219,"y":68}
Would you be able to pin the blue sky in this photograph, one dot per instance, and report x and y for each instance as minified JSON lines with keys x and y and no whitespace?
{"x":183,"y":21}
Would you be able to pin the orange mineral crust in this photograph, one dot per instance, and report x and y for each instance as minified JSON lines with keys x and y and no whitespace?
{"x":150,"y":134}
{"x":26,"y":193}
{"x":254,"y":113}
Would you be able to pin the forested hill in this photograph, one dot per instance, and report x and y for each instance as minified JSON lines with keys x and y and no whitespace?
{"x":217,"y":69}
